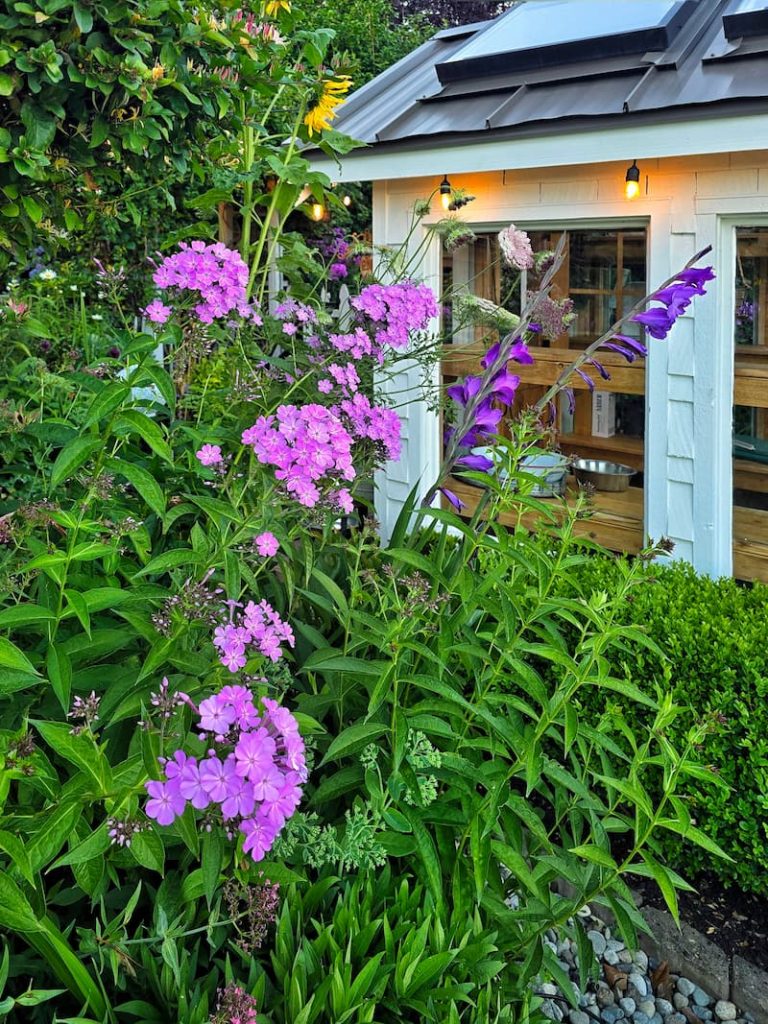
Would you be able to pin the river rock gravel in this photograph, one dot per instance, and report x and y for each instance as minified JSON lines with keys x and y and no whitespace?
{"x":627,"y":987}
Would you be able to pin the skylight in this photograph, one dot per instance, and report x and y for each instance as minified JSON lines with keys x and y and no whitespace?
{"x":746,"y":18}
{"x":543,"y":33}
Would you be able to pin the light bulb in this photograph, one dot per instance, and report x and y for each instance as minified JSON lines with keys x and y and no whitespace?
{"x":632,"y":189}
{"x":347,"y":200}
{"x":318,"y":210}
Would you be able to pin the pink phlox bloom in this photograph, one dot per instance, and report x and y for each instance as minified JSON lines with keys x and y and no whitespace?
{"x":214,"y":777}
{"x":166,"y":802}
{"x":216,"y":716}
{"x":158,"y":312}
{"x":267,"y":544}
{"x":254,"y":754}
{"x":325,"y":387}
{"x":191,"y":787}
{"x":240,"y":800}
{"x":267,"y":785}
{"x":259,"y":836}
{"x":210,"y":455}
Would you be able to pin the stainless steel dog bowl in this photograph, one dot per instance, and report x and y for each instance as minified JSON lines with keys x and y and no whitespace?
{"x":603,"y":475}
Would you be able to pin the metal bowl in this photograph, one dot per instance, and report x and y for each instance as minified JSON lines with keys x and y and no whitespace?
{"x":603,"y":475}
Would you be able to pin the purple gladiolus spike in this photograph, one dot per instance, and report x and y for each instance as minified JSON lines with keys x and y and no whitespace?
{"x":696,"y":276}
{"x":600,"y":369}
{"x":587,"y":379}
{"x":628,"y":355}
{"x":571,"y":400}
{"x":462,"y":393}
{"x":552,"y":412}
{"x":634,"y":343}
{"x":479,"y":462}
{"x":457,"y":503}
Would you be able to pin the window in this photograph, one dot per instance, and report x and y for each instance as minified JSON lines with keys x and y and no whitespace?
{"x":604,"y":274}
{"x":750,"y":412}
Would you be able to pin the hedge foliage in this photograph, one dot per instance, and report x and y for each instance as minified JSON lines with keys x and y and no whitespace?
{"x":713,"y":633}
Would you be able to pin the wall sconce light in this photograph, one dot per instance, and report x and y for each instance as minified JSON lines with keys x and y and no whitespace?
{"x":632,"y":181}
{"x":318,"y":211}
{"x":445,"y":193}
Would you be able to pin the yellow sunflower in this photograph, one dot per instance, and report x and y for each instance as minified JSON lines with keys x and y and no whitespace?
{"x":320,"y":116}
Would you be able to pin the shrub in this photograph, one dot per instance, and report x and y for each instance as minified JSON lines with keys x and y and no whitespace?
{"x":715,"y":665}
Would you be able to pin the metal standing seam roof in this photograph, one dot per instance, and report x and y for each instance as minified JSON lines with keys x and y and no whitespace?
{"x":698,"y":72}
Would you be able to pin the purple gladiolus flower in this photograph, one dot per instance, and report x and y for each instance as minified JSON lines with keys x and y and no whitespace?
{"x":504,"y":385}
{"x":479,"y":462}
{"x":462,"y":393}
{"x":600,"y":369}
{"x":634,"y":343}
{"x":571,"y":400}
{"x":587,"y":379}
{"x":696,"y":277}
{"x":657,"y":321}
{"x":454,"y":499}
{"x":627,"y":353}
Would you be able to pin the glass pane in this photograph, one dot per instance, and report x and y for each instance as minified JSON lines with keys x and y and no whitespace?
{"x":593,"y":259}
{"x":751,"y":274}
{"x":750,"y":422}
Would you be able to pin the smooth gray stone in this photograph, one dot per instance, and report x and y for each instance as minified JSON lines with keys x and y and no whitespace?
{"x":725,"y":1010}
{"x":598,"y":941}
{"x":685,"y":987}
{"x":700,"y":997}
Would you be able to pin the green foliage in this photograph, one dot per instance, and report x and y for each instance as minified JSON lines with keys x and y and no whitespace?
{"x":714,"y":663}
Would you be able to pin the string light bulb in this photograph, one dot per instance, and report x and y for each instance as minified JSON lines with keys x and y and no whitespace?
{"x":347,"y":200}
{"x":445,"y":193}
{"x":318,"y":211}
{"x":632,"y":181}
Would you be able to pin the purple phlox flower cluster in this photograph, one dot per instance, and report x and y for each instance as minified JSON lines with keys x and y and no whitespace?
{"x":355,"y":343}
{"x":345,"y":377}
{"x":122,"y":830}
{"x":294,"y":312}
{"x":337,"y":272}
{"x":746,"y":310}
{"x":253,"y":772}
{"x":335,"y":246}
{"x":396,"y":311}
{"x":516,"y":249}
{"x":210,"y":455}
{"x":259,"y":626}
{"x":659,"y":320}
{"x":374,"y":423}
{"x":217,"y":277}
{"x":309,"y":447}
{"x":266,"y":544}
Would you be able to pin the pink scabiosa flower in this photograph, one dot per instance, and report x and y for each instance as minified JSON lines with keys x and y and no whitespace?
{"x":267,"y":544}
{"x":210,"y":455}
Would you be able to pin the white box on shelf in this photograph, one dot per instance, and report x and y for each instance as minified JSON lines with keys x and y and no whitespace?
{"x":603,"y":413}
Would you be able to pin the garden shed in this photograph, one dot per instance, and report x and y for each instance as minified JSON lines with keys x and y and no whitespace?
{"x":640,"y":129}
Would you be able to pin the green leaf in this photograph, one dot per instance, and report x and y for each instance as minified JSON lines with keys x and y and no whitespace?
{"x":135,"y":422}
{"x":16,"y":850}
{"x":77,"y":601}
{"x":16,"y":912}
{"x":59,"y":670}
{"x":6,"y":84}
{"x":352,"y":739}
{"x":170,"y":560}
{"x":80,"y":750}
{"x":71,"y":458}
{"x":105,"y":402}
{"x":25,"y":614}
{"x":427,"y":852}
{"x":11,"y":657}
{"x":146,"y":485}
{"x":212,"y":857}
{"x":147,"y":849}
